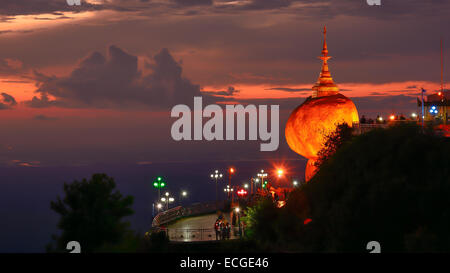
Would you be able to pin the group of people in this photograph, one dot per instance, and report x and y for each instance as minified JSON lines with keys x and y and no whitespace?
{"x":222,"y":228}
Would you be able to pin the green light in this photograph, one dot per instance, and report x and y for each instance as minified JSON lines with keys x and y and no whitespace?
{"x":155,"y":184}
{"x":159,"y":178}
{"x":163,"y":184}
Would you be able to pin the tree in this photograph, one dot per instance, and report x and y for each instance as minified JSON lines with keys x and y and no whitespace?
{"x":387,"y":185}
{"x":342,"y":134}
{"x":91,"y":213}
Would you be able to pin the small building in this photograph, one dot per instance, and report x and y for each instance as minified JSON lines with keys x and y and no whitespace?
{"x":436,"y":106}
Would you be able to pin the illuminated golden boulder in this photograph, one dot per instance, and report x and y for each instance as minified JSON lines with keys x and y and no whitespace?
{"x":318,"y":116}
{"x":310,"y":170}
{"x":311,"y":122}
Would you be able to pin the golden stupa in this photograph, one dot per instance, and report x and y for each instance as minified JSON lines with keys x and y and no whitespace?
{"x":311,"y":122}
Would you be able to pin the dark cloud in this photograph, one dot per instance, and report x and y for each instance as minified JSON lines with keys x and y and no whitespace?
{"x":227,"y":93}
{"x":360,"y":8}
{"x":7,"y":101}
{"x":329,"y":9}
{"x":52,"y":19}
{"x":378,"y":93}
{"x":42,"y":102}
{"x":115,"y":81}
{"x":11,"y":67}
{"x":8,"y":31}
{"x":28,"y":7}
{"x":190,"y":3}
{"x":264,"y":4}
{"x":286,"y":89}
{"x":398,"y":91}
{"x":305,"y":8}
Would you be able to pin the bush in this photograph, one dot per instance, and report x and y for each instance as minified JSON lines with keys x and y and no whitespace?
{"x":388,"y":185}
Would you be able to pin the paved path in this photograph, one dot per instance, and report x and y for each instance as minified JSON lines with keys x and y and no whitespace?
{"x":196,"y":228}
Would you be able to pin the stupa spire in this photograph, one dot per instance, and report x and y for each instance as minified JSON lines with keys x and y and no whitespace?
{"x":325,"y":85}
{"x":325,"y":49}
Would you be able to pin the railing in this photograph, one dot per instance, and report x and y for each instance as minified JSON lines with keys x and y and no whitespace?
{"x":178,"y":212}
{"x":197,"y":234}
{"x":189,"y":235}
{"x":167,"y":216}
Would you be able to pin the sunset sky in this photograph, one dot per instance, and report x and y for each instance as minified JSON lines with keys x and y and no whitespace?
{"x":96,"y":83}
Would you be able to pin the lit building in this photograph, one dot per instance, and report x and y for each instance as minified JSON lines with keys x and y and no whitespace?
{"x":436,"y":106}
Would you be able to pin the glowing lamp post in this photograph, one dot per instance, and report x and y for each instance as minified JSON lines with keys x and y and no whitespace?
{"x":237,"y":210}
{"x":158,"y":184}
{"x":216,"y":176}
{"x":228,"y":189}
{"x":253,"y":181}
{"x":231,"y":171}
{"x":280,"y":173}
{"x":262,"y":175}
{"x":183,"y":195}
{"x":167,"y":199}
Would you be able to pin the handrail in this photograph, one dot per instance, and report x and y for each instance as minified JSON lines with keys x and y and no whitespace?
{"x":177,"y":212}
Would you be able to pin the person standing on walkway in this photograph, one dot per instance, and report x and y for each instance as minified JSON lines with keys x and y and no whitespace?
{"x":217,"y":229}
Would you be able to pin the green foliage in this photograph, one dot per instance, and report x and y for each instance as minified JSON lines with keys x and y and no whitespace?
{"x":388,"y":185}
{"x":259,"y":222}
{"x":157,"y":242}
{"x":342,"y":134}
{"x":384,"y":186}
{"x":91,"y":213}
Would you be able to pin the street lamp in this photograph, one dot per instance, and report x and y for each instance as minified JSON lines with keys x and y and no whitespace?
{"x":158,"y":184}
{"x":228,"y":189}
{"x":262,"y":175}
{"x":231,"y":171}
{"x":280,"y":172}
{"x":253,"y":181}
{"x":168,"y":199}
{"x":216,"y":175}
{"x":239,"y":220}
{"x":295,"y":183}
{"x":183,"y":195}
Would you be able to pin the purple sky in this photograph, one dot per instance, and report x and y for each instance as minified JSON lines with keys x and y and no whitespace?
{"x":95,"y":83}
